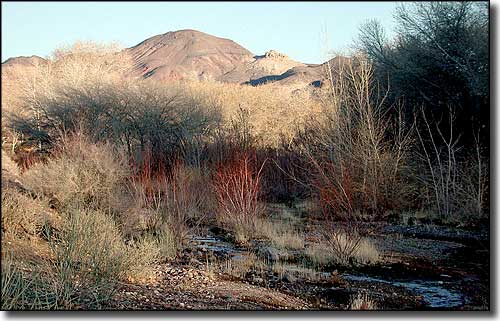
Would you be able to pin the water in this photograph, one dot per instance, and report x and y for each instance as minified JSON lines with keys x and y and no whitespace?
{"x":433,"y":292}
{"x":215,"y":245}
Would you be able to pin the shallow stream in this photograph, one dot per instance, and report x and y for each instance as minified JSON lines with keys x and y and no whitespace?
{"x":437,"y":294}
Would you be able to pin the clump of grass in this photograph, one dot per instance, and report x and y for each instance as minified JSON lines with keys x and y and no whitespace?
{"x":241,"y":266}
{"x":319,"y":254}
{"x":281,"y":234}
{"x":362,"y":301}
{"x":91,"y":256}
{"x":237,"y":266}
{"x":167,"y":243}
{"x":15,"y":287}
{"x":31,"y":288}
{"x":292,"y":272}
{"x":341,"y":249}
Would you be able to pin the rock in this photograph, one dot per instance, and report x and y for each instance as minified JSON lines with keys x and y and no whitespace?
{"x":271,"y":254}
{"x":275,"y":54}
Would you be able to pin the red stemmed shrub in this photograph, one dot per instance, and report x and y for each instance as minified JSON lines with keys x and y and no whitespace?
{"x":237,"y":185}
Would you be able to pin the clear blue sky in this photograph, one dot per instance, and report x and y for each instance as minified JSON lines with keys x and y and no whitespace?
{"x":294,"y":28}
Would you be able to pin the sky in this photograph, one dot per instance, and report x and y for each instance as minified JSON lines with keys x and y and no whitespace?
{"x":294,"y":28}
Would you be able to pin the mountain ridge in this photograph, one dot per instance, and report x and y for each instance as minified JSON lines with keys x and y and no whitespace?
{"x":190,"y":54}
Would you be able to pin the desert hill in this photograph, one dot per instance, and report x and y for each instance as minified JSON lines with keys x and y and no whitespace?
{"x":186,"y":54}
{"x":24,"y":60}
{"x":194,"y":55}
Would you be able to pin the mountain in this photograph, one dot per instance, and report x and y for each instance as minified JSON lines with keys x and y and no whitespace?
{"x":191,"y":54}
{"x":271,"y":63}
{"x":24,"y":60}
{"x":302,"y":75}
{"x":194,"y":55}
{"x":186,"y":54}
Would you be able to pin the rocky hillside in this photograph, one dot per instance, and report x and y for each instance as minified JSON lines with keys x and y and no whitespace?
{"x":23,"y":60}
{"x":271,"y":63}
{"x":187,"y":54}
{"x":194,"y":55}
{"x":191,"y":54}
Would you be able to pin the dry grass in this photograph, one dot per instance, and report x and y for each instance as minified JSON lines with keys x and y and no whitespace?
{"x":237,"y":267}
{"x":362,"y":301}
{"x":323,"y":253}
{"x":294,"y":272}
{"x":282,"y":234}
{"x":320,"y":254}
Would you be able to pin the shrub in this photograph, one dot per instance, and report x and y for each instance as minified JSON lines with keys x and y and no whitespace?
{"x":271,"y":112}
{"x":237,"y":187}
{"x":135,"y":115}
{"x":179,"y":201}
{"x":86,"y":92}
{"x":457,"y":182}
{"x":82,"y":174}
{"x":22,"y":216}
{"x":359,"y":157}
{"x":45,"y":86}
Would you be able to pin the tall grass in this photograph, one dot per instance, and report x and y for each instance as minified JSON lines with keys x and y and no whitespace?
{"x":24,"y":290}
{"x":362,"y":301}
